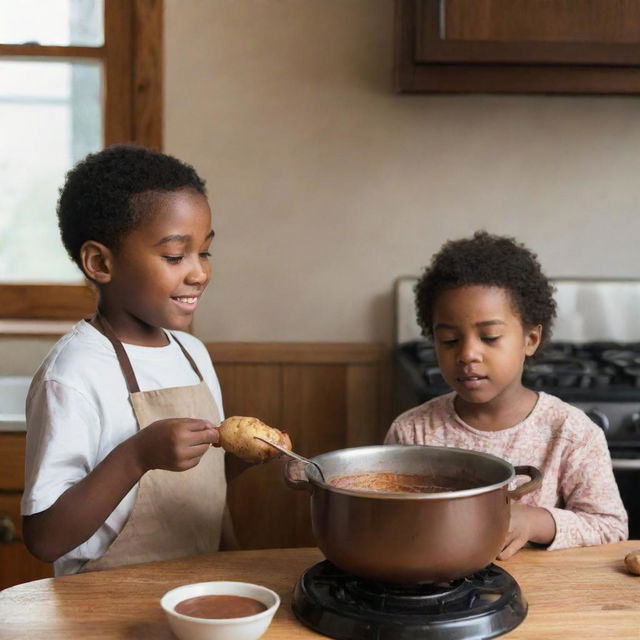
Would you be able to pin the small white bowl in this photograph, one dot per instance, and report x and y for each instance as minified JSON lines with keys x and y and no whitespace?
{"x":245,"y":628}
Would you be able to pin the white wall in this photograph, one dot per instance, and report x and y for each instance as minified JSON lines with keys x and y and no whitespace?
{"x":325,"y":185}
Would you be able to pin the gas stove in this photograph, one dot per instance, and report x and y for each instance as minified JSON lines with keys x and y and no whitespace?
{"x":602,"y":378}
{"x":339,"y":605}
{"x":592,"y":363}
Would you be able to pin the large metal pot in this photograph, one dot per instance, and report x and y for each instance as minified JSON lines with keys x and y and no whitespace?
{"x":411,"y":537}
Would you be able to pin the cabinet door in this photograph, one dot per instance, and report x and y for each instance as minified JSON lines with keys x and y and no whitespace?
{"x":17,"y":565}
{"x":518,"y":46}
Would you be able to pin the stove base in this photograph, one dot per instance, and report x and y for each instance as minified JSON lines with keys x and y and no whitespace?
{"x":338,"y":605}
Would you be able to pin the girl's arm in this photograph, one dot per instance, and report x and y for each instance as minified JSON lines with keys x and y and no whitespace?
{"x":593,"y":512}
{"x":175,"y":444}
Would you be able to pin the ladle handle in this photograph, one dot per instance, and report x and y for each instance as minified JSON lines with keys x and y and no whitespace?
{"x":291,"y":454}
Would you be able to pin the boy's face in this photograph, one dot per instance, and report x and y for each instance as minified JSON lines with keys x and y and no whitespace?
{"x":481,"y":343}
{"x":161,"y":269}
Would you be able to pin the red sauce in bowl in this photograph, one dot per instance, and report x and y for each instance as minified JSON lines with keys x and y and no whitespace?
{"x":219,"y":607}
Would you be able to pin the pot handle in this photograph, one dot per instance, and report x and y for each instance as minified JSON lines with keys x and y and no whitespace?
{"x":295,"y":475}
{"x":527,"y":487}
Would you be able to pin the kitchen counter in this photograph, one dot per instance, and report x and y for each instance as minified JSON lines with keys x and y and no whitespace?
{"x":574,"y":593}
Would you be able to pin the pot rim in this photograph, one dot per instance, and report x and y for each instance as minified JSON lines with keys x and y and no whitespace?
{"x":314,"y":477}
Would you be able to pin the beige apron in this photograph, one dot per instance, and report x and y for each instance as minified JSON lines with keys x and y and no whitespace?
{"x":176,"y":513}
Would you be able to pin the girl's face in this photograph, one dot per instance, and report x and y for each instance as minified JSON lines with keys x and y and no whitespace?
{"x":481,"y":344}
{"x":161,"y":269}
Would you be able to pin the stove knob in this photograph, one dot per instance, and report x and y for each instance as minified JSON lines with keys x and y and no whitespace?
{"x":599,"y":418}
{"x":634,"y":420}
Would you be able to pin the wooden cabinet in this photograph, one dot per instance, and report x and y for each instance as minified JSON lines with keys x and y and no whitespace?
{"x":16,"y":563}
{"x":518,"y":46}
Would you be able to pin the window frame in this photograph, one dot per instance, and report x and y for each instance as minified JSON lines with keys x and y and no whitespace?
{"x":132,"y":58}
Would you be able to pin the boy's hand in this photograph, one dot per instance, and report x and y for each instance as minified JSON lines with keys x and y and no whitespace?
{"x":175,"y":444}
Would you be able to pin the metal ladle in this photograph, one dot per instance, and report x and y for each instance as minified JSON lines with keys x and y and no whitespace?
{"x":294,"y":456}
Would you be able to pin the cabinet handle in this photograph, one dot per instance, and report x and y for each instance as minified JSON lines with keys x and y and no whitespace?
{"x":7,"y":529}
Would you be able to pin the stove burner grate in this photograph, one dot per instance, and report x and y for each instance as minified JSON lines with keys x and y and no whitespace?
{"x":339,"y":605}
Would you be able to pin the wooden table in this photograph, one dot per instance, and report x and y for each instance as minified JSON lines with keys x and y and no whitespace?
{"x":576,"y":593}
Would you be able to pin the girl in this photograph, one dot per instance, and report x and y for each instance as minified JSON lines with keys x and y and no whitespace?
{"x":121,"y":415}
{"x":488,"y":307}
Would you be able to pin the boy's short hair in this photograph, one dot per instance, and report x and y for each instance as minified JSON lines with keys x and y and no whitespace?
{"x":491,"y":261}
{"x":100,"y":198}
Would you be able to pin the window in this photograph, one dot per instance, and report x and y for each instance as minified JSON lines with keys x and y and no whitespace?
{"x":75,"y":75}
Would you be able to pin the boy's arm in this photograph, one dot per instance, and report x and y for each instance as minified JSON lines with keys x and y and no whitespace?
{"x":175,"y":444}
{"x":82,"y":509}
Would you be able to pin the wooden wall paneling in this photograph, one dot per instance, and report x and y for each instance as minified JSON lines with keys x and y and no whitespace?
{"x":315,"y":407}
{"x":325,"y":398}
{"x":16,"y":561}
{"x":251,"y":390}
{"x":10,"y":507}
{"x":297,"y":352}
{"x":258,"y":497}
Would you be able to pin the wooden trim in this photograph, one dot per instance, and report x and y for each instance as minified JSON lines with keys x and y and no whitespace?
{"x":523,"y":79}
{"x":118,"y":80}
{"x":46,"y":301}
{"x":148,"y":81}
{"x":39,"y":51}
{"x":443,"y":51}
{"x":296,"y":352}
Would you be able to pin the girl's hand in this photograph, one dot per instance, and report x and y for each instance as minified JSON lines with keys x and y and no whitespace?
{"x":519,"y":530}
{"x":175,"y":444}
{"x":526,"y":524}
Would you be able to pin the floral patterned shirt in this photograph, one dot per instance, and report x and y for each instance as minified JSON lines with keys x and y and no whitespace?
{"x":578,"y":487}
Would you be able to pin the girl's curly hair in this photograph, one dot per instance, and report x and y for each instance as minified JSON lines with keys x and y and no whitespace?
{"x":491,"y":261}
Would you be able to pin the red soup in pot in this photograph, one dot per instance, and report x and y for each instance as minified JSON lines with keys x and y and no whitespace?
{"x":387,"y":482}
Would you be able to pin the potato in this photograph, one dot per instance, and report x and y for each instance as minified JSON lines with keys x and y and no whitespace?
{"x":237,"y":437}
{"x":632,"y":560}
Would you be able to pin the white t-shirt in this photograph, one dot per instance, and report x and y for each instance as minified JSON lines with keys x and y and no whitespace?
{"x":78,"y":410}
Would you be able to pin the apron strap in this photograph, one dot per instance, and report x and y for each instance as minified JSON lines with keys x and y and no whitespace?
{"x":123,"y":358}
{"x":121,"y":354}
{"x":188,"y":357}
